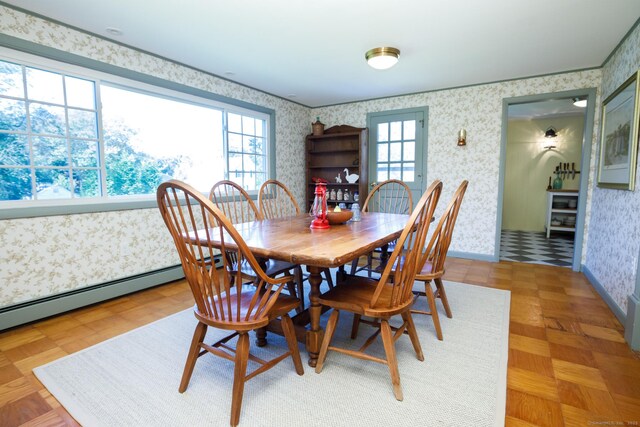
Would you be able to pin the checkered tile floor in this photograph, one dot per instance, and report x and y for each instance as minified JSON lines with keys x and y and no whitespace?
{"x":535,"y":248}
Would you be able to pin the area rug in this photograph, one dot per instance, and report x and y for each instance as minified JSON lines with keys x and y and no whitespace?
{"x":132,"y":379}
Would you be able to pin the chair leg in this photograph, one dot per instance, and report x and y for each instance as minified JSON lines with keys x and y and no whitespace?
{"x":242,"y":355}
{"x":432,"y":307}
{"x":413,"y":334}
{"x":354,"y":266}
{"x":328,"y":278}
{"x":392,"y":362}
{"x":355,"y":326}
{"x":292,"y":342}
{"x":369,"y":263}
{"x":194,"y":350}
{"x":298,"y":277}
{"x":328,"y":335}
{"x":443,"y":296}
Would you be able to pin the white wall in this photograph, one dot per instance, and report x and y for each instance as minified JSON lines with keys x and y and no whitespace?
{"x":529,"y":166}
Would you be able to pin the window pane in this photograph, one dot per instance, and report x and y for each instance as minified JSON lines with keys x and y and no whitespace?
{"x":11,"y":83}
{"x":14,"y":149}
{"x":248,"y":163}
{"x":12,"y":115}
{"x":260,"y":164}
{"x":395,"y":151}
{"x":234,"y":123}
{"x":408,"y":172}
{"x":395,"y":171}
{"x":50,"y":151}
{"x":80,"y":93}
{"x":248,"y":125}
{"x":383,"y":172}
{"x":86,"y":183}
{"x":409,"y":150}
{"x":82,"y":123}
{"x":235,"y":142}
{"x":259,"y":145}
{"x":47,"y":119}
{"x":383,"y":132}
{"x":150,"y":139}
{"x":409,"y":129}
{"x":84,"y":153}
{"x":15,"y":184}
{"x":52,"y":184}
{"x":396,"y":131}
{"x":235,"y":164}
{"x":260,"y":128}
{"x":44,"y":86}
{"x":249,"y":144}
{"x":383,"y":152}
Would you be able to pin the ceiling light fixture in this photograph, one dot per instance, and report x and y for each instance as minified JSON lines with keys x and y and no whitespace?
{"x":382,"y":58}
{"x":550,"y":133}
{"x":580,"y":102}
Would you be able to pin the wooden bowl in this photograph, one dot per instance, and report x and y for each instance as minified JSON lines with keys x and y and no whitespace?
{"x":339,"y":217}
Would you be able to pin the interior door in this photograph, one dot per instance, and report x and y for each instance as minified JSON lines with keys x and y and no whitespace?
{"x":396,"y":148}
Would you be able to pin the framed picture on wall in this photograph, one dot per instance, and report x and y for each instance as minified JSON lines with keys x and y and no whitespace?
{"x":619,"y":136}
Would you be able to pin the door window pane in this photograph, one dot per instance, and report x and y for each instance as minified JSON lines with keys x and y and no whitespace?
{"x":383,"y":152}
{"x":409,"y":129}
{"x":383,"y":172}
{"x":408,"y":172}
{"x":396,"y":131}
{"x":383,"y":132}
{"x":395,"y":151}
{"x":395,"y":171}
{"x":409,"y":152}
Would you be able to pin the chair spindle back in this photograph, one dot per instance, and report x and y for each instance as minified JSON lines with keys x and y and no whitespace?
{"x":401,"y":276}
{"x":234,"y":202}
{"x":276,"y":201}
{"x":199,"y":231}
{"x":391,"y":196}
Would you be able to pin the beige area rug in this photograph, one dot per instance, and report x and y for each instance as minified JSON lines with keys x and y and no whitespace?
{"x":132,"y":379}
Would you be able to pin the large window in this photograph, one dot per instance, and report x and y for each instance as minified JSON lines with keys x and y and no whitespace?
{"x":82,"y":135}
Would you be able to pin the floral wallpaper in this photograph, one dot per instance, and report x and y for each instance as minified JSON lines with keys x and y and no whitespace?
{"x":614,"y":238}
{"x":49,"y":255}
{"x":82,"y":250}
{"x":478,"y":109}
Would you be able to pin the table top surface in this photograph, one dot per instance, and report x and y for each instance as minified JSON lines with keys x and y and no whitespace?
{"x":290,"y":239}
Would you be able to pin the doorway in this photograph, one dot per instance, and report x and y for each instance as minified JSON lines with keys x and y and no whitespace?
{"x":397,"y":147}
{"x":546,"y":140}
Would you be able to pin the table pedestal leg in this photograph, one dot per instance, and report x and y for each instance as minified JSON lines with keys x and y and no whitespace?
{"x":261,"y":337}
{"x":315,"y":333}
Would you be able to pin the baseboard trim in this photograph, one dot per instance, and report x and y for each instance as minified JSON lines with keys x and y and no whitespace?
{"x":22,"y":313}
{"x":472,"y":255}
{"x":617,"y":311}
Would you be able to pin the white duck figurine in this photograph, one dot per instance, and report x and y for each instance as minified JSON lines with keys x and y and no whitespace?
{"x":351,"y":178}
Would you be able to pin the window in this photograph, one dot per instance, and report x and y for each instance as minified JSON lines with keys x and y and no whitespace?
{"x":81,"y":134}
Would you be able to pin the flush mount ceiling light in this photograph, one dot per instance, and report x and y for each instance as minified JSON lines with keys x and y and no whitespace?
{"x":580,"y":102}
{"x":114,"y":31}
{"x":550,"y":133}
{"x":382,"y":58}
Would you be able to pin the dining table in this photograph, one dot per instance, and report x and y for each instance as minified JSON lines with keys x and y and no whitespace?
{"x":291,"y":239}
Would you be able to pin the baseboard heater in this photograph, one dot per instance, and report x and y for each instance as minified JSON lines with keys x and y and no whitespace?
{"x":40,"y":308}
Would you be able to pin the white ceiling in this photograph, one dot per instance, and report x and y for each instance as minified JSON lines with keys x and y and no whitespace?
{"x":313,"y":52}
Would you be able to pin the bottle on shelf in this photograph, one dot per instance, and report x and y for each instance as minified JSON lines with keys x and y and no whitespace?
{"x":356,"y":196}
{"x":332,"y":194}
{"x":339,"y":195}
{"x":355,"y":208}
{"x":346,"y":196}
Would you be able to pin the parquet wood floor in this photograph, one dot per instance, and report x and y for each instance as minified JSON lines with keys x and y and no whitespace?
{"x":568,"y":362}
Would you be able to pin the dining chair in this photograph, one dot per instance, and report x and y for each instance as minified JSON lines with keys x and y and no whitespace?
{"x":433,"y":259}
{"x":237,"y":206}
{"x":391,"y":196}
{"x":389,"y":296}
{"x":192,"y":221}
{"x":276,"y":201}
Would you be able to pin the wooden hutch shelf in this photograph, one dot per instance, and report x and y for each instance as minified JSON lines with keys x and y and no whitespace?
{"x":328,"y":155}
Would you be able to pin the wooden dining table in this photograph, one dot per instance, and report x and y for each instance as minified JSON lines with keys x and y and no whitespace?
{"x":290,"y":239}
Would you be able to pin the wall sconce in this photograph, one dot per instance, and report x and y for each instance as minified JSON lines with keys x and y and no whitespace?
{"x":580,"y":102}
{"x":549,"y":135}
{"x":462,"y":138}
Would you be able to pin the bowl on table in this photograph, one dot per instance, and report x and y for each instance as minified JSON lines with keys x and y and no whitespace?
{"x":339,"y":217}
